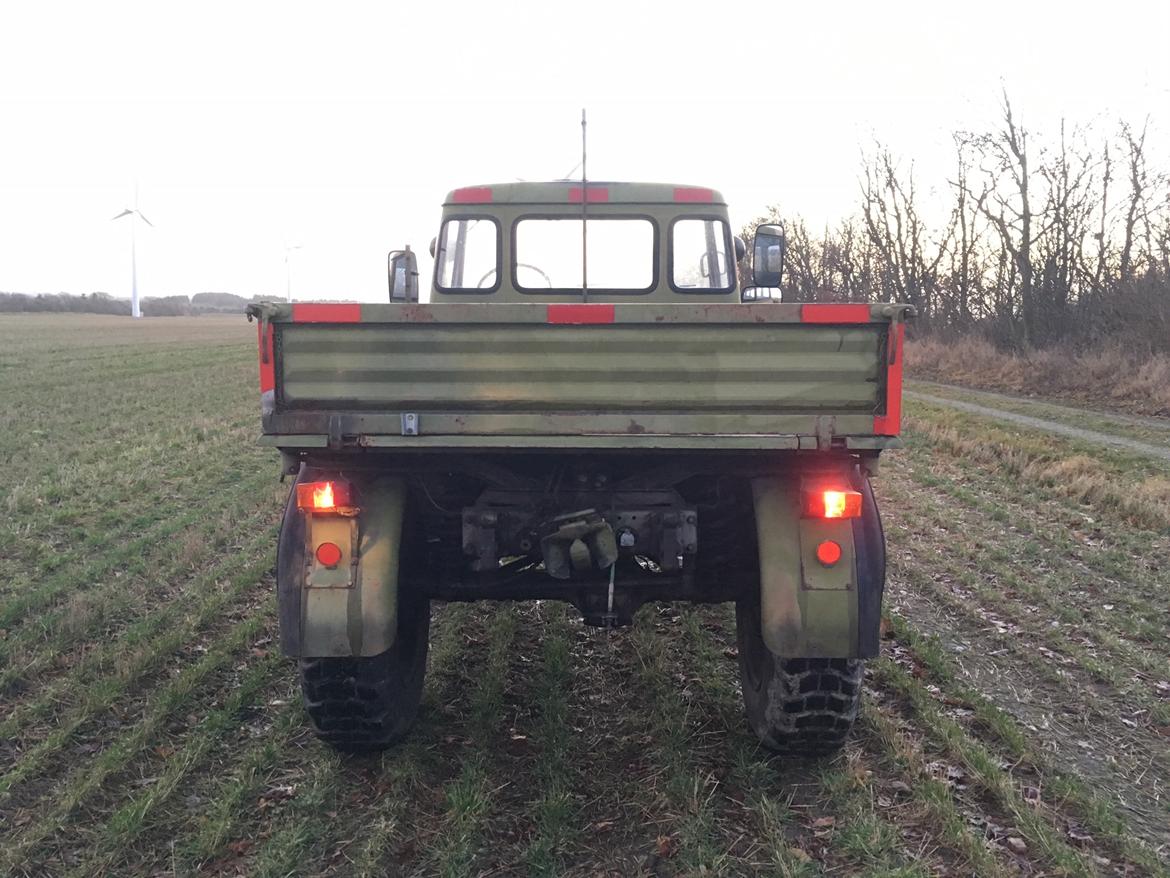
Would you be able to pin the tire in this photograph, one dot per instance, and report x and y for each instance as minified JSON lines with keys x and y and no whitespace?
{"x":370,"y":703}
{"x":796,"y":706}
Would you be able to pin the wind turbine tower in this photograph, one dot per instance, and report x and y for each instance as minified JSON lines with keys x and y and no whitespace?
{"x":288,"y":270}
{"x":135,"y":215}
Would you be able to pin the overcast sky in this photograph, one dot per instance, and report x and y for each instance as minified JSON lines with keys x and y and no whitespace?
{"x":339,"y":127}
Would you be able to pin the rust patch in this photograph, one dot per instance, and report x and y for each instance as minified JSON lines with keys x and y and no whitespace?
{"x":635,"y":427}
{"x":418,"y":314}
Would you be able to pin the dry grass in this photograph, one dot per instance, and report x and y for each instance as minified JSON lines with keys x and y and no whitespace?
{"x":1110,"y":374}
{"x":1143,"y":499}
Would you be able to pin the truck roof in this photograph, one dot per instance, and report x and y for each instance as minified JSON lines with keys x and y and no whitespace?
{"x":562,"y":191}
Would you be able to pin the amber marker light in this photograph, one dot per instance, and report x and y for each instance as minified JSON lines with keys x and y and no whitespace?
{"x":323,"y":496}
{"x":829,"y":553}
{"x":832,"y":503}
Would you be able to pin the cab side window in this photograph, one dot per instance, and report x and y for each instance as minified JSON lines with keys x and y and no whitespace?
{"x":700,"y":258}
{"x":468,"y":255}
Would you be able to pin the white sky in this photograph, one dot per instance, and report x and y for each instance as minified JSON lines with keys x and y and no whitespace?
{"x":340,"y":126}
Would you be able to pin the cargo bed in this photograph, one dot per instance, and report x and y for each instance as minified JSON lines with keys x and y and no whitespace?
{"x":580,"y":376}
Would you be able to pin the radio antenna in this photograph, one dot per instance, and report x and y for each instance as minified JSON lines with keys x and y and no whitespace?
{"x":584,"y":223}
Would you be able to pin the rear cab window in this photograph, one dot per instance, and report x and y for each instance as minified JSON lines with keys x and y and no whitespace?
{"x":700,"y":255}
{"x":622,"y":254}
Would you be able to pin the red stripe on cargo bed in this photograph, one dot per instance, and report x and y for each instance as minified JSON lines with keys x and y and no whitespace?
{"x":834,"y":313}
{"x":472,"y":195}
{"x":318,"y":312}
{"x":267,"y":371}
{"x":890,"y":424}
{"x":600,"y":313}
{"x":693,"y":194}
{"x":595,"y":193}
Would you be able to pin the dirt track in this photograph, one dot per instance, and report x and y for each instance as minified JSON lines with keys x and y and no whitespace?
{"x":1123,"y":423}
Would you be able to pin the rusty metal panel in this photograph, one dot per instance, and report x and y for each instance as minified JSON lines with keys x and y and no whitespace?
{"x":771,"y":368}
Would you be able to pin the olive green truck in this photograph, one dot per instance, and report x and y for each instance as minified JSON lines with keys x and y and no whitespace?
{"x":590,"y":408}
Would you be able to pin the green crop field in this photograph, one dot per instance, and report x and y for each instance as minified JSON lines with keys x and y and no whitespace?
{"x":1017,"y":723}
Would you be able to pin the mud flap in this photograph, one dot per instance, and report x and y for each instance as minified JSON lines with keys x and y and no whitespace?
{"x":807,"y":610}
{"x":351,"y":609}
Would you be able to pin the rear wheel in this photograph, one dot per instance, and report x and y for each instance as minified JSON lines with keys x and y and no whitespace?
{"x":796,"y":706}
{"x":368,"y":703}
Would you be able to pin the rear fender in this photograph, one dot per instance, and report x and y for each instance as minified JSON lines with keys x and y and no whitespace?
{"x":351,"y":609}
{"x":806,"y":608}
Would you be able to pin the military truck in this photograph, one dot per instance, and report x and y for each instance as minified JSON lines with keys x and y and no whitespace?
{"x":588,"y":409}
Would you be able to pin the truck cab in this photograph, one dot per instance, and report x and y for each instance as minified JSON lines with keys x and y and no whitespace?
{"x":611,"y":242}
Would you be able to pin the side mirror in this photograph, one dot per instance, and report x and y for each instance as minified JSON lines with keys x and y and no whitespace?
{"x":768,"y":256}
{"x":402,"y":272}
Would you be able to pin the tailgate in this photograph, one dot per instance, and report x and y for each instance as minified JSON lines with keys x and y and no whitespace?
{"x":593,"y":375}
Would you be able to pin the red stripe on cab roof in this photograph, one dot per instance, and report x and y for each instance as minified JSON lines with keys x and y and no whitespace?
{"x":693,"y":194}
{"x":595,"y":193}
{"x":472,"y":195}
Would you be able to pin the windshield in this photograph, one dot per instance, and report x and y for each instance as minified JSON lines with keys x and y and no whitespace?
{"x":699,"y":251}
{"x":620,"y":254}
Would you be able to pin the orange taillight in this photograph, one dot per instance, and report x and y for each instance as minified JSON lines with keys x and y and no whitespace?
{"x":831,"y":503}
{"x":323,"y":496}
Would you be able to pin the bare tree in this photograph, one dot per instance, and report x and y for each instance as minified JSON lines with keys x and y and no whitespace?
{"x":967,"y":239}
{"x":1067,"y":174}
{"x":1008,"y":207}
{"x":898,"y":234}
{"x":1102,"y":235}
{"x":1037,"y":247}
{"x":1138,"y":180}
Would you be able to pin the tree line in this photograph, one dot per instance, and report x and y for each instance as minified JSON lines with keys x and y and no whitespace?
{"x":1061,"y":240}
{"x":103,"y":303}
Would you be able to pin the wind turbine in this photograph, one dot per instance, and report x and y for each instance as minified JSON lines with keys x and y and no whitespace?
{"x":135,"y":215}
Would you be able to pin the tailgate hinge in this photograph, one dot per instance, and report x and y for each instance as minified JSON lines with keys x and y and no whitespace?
{"x":409,"y":424}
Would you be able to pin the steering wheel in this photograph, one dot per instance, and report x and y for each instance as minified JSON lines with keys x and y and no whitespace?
{"x":491,"y":271}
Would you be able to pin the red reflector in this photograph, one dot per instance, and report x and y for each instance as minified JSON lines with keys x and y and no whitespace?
{"x":323,"y":496}
{"x":832,"y":503}
{"x":594,"y":193}
{"x":834,"y":313}
{"x":829,"y":553}
{"x":329,"y":554}
{"x":472,"y":195}
{"x":267,"y":369}
{"x":692,"y":194}
{"x":598,"y":313}
{"x":326,"y":312}
{"x":890,"y":424}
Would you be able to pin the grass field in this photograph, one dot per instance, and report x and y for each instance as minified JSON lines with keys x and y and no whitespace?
{"x":1018,"y":721}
